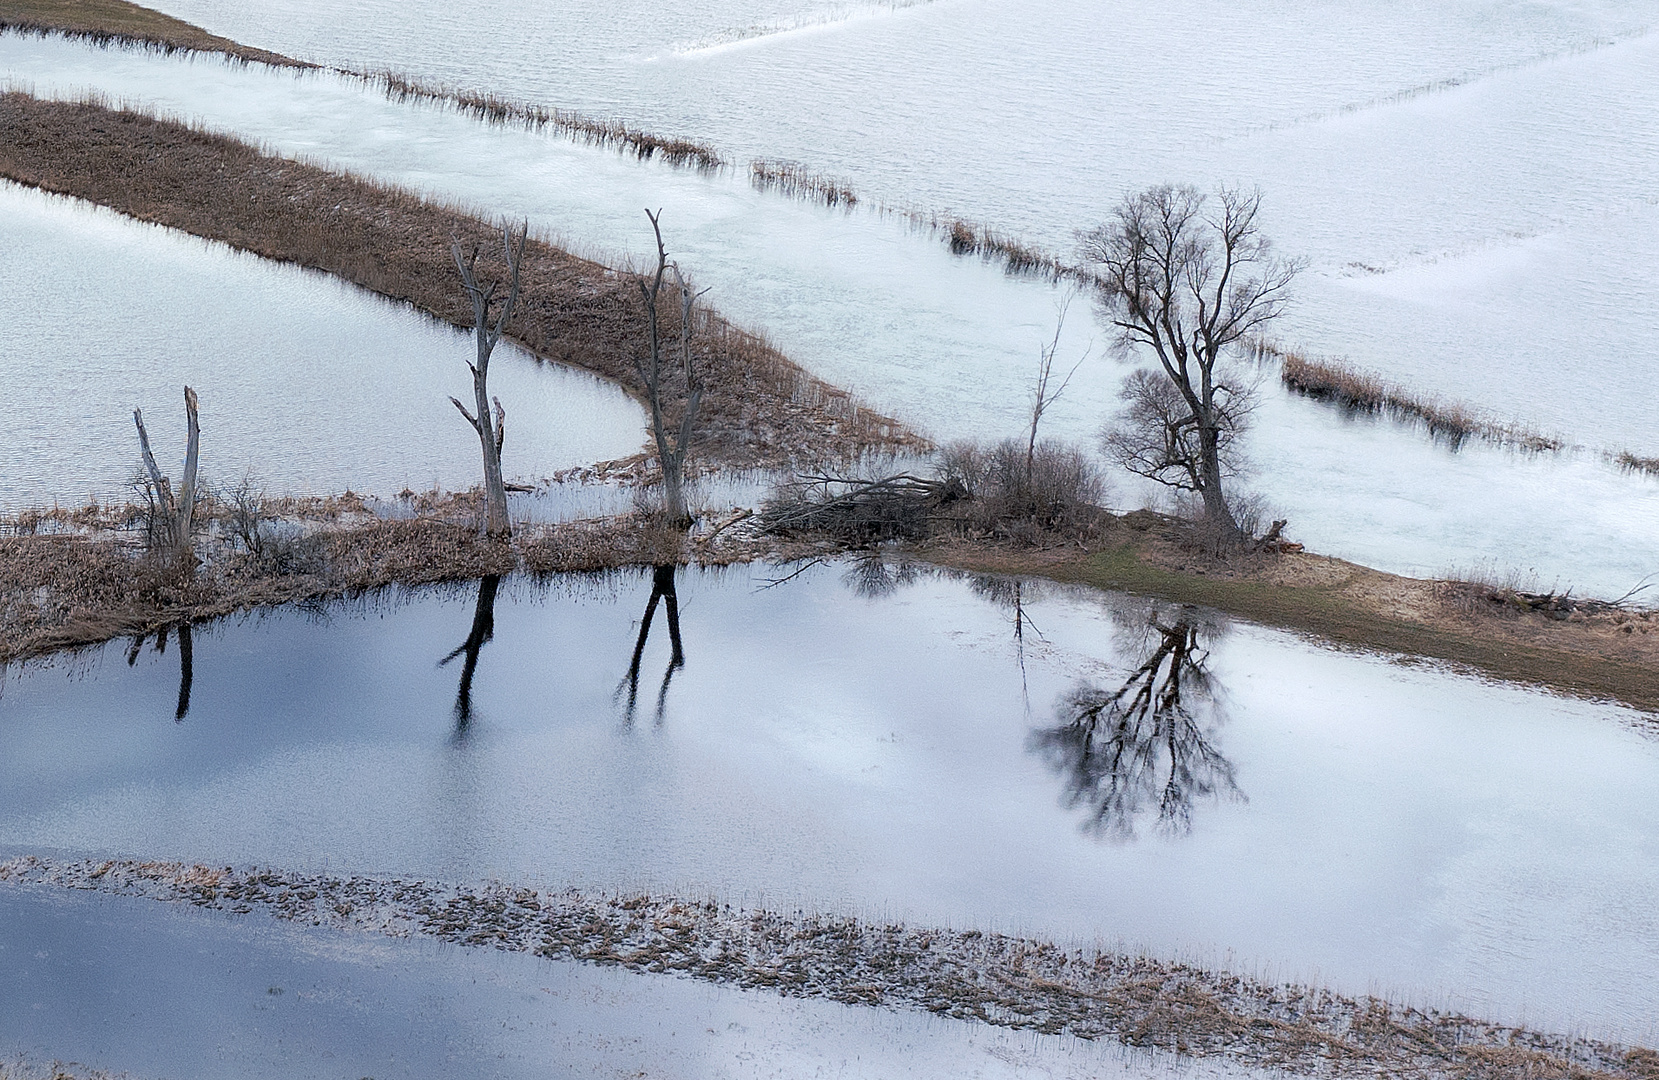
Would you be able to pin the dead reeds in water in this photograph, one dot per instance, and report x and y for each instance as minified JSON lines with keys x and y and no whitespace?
{"x":495,"y":109}
{"x":1634,"y":463}
{"x":1356,"y":391}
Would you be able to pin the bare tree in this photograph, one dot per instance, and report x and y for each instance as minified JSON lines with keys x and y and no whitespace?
{"x":172,"y":518}
{"x":1044,"y":393}
{"x":487,"y":334}
{"x":1186,"y":283}
{"x":656,"y":372}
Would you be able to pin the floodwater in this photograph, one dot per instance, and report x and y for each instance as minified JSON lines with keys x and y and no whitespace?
{"x":948,"y":345}
{"x":311,"y":384}
{"x":865,"y":740}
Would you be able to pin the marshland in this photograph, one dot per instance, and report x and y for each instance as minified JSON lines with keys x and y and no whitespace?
{"x":679,"y":542}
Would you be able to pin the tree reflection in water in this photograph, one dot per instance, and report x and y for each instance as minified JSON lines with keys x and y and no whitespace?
{"x":483,"y":629}
{"x":187,"y":667}
{"x":662,"y":589}
{"x":1147,"y":742}
{"x":872,"y":576}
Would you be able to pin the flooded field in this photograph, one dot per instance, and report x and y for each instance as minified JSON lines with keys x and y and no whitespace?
{"x":864,"y":741}
{"x":312,"y":385}
{"x":946,"y":344}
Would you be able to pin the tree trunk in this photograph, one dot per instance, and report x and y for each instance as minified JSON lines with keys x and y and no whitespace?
{"x":1216,"y":510}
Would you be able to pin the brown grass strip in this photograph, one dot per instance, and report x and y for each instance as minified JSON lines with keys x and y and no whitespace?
{"x":115,"y":22}
{"x":759,"y":408}
{"x":1356,"y":391}
{"x":1013,"y":982}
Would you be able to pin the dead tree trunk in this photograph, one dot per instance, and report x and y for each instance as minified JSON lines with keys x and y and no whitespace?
{"x":173,"y":516}
{"x":491,"y":432}
{"x":655,"y":371}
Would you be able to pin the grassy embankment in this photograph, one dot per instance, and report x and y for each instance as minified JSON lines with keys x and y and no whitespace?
{"x":118,"y":21}
{"x":1594,"y":650}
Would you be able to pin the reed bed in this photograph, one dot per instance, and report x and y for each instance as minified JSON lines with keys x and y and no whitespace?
{"x":1357,"y":391}
{"x":759,"y":408}
{"x":493,"y":108}
{"x":1634,"y":463}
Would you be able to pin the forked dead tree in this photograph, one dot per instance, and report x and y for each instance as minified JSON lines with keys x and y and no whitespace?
{"x":658,"y":373}
{"x":172,"y":514}
{"x":1186,"y":283}
{"x":487,"y":333}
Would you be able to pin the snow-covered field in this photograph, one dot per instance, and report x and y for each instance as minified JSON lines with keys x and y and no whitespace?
{"x":944,"y":343}
{"x":1400,"y":829}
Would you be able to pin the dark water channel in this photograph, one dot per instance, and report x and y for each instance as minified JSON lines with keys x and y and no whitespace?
{"x":874,"y":739}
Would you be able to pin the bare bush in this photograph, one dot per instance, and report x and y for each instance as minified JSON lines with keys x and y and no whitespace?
{"x":1021,"y":492}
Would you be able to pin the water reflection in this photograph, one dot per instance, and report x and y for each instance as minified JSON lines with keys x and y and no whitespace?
{"x":1147,"y":743}
{"x":662,"y":589}
{"x":483,"y":629}
{"x":873,"y":577}
{"x":187,"y":668}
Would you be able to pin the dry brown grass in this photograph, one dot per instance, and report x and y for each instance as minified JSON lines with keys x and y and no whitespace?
{"x":1358,"y":391}
{"x":759,"y":408}
{"x":1630,"y":462}
{"x":64,"y":590}
{"x":116,"y":22}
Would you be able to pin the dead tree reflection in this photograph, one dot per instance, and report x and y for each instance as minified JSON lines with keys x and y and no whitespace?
{"x":483,"y":629}
{"x":1146,"y":743}
{"x":187,"y":667}
{"x":662,"y":591}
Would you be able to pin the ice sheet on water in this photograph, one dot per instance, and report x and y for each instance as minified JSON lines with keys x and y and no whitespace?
{"x":311,"y":384}
{"x":1401,"y":829}
{"x":945,"y":344}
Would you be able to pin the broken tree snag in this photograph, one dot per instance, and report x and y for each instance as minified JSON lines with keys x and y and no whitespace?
{"x":487,"y":334}
{"x":172,"y":517}
{"x":656,"y":374}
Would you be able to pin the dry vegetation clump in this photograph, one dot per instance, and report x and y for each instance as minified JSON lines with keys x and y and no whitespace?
{"x":499,"y":110}
{"x":794,"y":179}
{"x":1049,"y":492}
{"x":1365,"y":392}
{"x":114,"y":22}
{"x":758,"y":408}
{"x":63,"y":589}
{"x":1630,"y":462}
{"x":1014,"y":982}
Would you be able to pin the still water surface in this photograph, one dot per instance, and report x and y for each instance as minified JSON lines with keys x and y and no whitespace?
{"x":855,"y":741}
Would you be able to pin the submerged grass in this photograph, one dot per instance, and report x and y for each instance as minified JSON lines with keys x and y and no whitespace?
{"x":1015,"y":982}
{"x":758,"y":407}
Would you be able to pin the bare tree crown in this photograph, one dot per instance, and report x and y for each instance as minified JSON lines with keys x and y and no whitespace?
{"x":1185,"y":278}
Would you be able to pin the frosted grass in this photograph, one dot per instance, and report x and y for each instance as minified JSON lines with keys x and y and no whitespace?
{"x":947,"y":345}
{"x":1404,"y":830}
{"x":311,"y":384}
